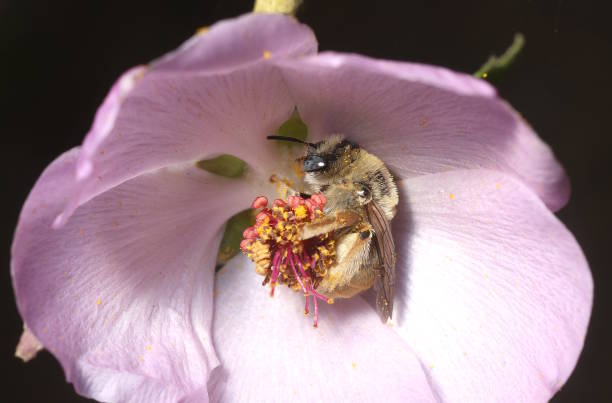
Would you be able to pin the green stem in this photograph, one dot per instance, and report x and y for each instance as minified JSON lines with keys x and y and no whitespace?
{"x":497,"y":63}
{"x":288,"y":7}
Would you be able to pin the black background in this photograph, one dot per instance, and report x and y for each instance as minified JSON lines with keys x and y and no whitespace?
{"x":58,"y":59}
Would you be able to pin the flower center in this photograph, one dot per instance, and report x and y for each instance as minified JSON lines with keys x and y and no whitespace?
{"x":280,"y":254}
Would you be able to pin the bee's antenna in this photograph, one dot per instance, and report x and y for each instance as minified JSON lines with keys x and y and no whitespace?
{"x":291,"y":139}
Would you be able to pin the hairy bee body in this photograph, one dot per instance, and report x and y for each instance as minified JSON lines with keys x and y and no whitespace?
{"x":361,"y":201}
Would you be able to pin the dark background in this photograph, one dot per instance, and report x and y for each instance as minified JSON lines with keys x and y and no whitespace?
{"x":58,"y":59}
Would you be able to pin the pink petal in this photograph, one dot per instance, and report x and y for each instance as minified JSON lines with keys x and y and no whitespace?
{"x":28,"y":345}
{"x":231,"y":44}
{"x":494,"y":294}
{"x":185,"y":108}
{"x":269,"y":350}
{"x":421,"y":119}
{"x":122,"y":294}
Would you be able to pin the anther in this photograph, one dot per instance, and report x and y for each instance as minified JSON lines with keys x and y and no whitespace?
{"x":281,"y":255}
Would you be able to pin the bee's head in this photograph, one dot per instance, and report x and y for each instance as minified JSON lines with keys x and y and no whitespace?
{"x":325,"y":161}
{"x":329,"y":156}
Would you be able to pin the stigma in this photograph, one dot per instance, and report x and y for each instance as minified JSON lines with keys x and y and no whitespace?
{"x":281,"y":255}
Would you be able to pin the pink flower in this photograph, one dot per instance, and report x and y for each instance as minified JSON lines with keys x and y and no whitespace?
{"x":113,"y":257}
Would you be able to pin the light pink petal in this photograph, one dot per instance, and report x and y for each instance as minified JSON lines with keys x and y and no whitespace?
{"x":234,"y":43}
{"x":269,"y":350}
{"x":494,"y":294}
{"x":422,"y":119}
{"x":122,"y":294}
{"x":181,"y":110}
{"x":28,"y":345}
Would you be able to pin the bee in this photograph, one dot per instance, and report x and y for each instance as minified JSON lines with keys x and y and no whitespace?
{"x":361,"y":202}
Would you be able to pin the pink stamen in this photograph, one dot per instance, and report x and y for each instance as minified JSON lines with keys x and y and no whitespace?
{"x":245,"y":243}
{"x":275,"y":271}
{"x":249,"y":233}
{"x":261,"y":216}
{"x":279,"y":241}
{"x":300,"y":265}
{"x":318,"y":199}
{"x":313,"y":262}
{"x":297,"y":277}
{"x":295,"y":201}
{"x":305,"y":257}
{"x":319,"y":296}
{"x":316,"y":313}
{"x":260,"y":201}
{"x":308,"y":288}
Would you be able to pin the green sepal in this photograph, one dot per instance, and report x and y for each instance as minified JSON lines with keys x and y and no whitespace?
{"x":224,"y":165}
{"x":230,"y":244}
{"x":294,"y":127}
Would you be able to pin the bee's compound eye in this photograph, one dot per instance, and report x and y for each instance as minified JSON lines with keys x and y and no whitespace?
{"x":314,"y":163}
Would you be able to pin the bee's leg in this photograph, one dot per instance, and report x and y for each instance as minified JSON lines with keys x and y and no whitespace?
{"x":329,"y":223}
{"x":354,"y":269}
{"x":284,"y":186}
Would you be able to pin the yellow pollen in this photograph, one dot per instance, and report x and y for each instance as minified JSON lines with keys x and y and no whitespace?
{"x":266,"y":54}
{"x":301,"y":212}
{"x":451,"y":196}
{"x":149,"y":348}
{"x":298,"y":169}
{"x":485,"y":75}
{"x":202,"y":30}
{"x":98,"y":301}
{"x":354,"y":364}
{"x":497,"y":186}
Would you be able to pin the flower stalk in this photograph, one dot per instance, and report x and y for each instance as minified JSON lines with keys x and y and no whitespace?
{"x":288,"y":7}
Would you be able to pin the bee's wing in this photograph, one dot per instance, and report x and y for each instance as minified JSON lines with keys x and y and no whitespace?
{"x":385,"y":247}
